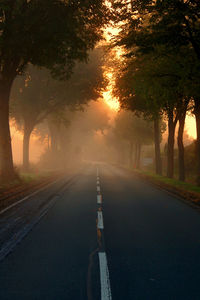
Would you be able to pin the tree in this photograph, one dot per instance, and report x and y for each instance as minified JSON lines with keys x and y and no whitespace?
{"x":37,"y":96}
{"x":174,"y":27}
{"x":174,"y":23}
{"x":46,"y":33}
{"x":132,"y":89}
{"x":163,"y":84}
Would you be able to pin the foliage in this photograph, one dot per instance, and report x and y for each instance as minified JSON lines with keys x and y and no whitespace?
{"x":164,"y":38}
{"x":36,"y":95}
{"x":48,"y":33}
{"x":52,"y":34}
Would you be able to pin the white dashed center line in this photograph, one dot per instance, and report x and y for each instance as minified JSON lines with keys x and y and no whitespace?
{"x":100,"y":220}
{"x":99,"y":199}
{"x":104,"y":272}
{"x":104,"y":276}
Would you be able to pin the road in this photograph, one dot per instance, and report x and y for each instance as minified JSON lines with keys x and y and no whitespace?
{"x":105,"y":234}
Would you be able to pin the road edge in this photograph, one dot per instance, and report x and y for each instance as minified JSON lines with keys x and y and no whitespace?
{"x":190,"y":198}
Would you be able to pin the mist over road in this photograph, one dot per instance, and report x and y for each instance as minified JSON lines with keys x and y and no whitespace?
{"x":108,"y":235}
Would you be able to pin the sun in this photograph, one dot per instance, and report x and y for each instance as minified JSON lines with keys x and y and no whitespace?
{"x":113,"y":103}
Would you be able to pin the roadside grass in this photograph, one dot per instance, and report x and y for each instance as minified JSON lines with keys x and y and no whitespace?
{"x":185,"y":186}
{"x":11,"y":184}
{"x":32,"y":176}
{"x":25,"y":178}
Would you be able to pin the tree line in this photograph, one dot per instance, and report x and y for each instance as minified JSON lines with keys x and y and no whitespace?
{"x":160,"y":73}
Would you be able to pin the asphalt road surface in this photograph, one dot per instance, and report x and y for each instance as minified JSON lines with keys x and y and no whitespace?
{"x":102,"y":234}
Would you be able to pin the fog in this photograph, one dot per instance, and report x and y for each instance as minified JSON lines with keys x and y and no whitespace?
{"x":60,"y":125}
{"x":94,"y":133}
{"x":82,"y":139}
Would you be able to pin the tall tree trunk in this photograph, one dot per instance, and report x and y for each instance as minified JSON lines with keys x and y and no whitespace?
{"x":7,"y":167}
{"x":48,"y":141}
{"x":158,"y":159}
{"x":131,"y":154}
{"x":138,"y":156}
{"x":54,"y":144}
{"x":26,"y":140}
{"x":53,"y":129}
{"x":197,"y":116}
{"x":170,"y":146}
{"x":181,"y":150}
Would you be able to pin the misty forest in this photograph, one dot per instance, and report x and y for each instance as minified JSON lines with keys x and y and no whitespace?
{"x":100,"y":83}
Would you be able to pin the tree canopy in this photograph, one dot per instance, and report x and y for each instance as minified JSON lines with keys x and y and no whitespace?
{"x":53,"y":34}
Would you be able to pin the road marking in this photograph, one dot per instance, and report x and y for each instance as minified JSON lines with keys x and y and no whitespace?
{"x":27,"y":197}
{"x":104,"y":273}
{"x":100,"y":220}
{"x":104,"y":277}
{"x":99,"y":199}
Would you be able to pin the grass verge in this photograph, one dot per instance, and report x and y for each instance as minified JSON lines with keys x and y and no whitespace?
{"x":188,"y":192}
{"x":173,"y":182}
{"x":25,"y":179}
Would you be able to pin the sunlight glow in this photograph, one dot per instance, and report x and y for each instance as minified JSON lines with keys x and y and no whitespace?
{"x":108,"y":98}
{"x":113,"y":103}
{"x":190,"y":126}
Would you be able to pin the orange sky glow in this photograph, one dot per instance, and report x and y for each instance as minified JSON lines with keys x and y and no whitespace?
{"x":112,"y":102}
{"x":190,"y":126}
